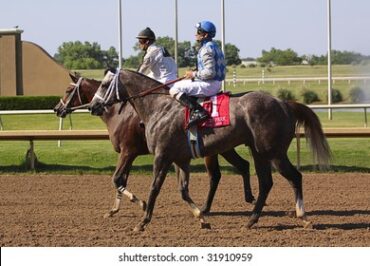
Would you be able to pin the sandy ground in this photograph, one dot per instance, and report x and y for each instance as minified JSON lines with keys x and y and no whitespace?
{"x":53,"y":210}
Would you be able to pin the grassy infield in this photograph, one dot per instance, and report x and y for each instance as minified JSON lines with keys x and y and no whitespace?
{"x":99,"y":157}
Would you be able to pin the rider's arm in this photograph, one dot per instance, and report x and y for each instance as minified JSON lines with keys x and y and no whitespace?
{"x":208,"y":71}
{"x":149,"y":61}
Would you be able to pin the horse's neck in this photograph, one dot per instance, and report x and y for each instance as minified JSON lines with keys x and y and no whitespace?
{"x":112,"y":118}
{"x":148,"y":105}
{"x":151,"y":105}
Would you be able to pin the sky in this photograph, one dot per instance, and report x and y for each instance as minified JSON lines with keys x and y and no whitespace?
{"x":251,"y":25}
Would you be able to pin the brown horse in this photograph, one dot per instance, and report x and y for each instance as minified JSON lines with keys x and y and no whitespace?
{"x":260,"y":121}
{"x":128,"y":139}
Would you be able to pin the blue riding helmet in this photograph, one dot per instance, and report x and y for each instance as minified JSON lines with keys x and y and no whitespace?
{"x":207,"y":26}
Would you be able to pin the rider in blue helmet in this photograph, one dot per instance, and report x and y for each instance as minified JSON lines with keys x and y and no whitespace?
{"x":207,"y":79}
{"x":208,"y":27}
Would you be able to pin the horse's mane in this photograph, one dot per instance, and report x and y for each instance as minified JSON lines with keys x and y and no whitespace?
{"x":142,"y":75}
{"x":139,"y":75}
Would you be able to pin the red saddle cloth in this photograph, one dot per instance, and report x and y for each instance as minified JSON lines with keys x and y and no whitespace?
{"x":218,"y":108}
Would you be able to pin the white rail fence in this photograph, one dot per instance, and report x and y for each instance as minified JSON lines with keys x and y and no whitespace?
{"x":34,"y":112}
{"x":263,"y":79}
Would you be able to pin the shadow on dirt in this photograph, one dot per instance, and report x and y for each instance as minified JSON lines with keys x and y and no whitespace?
{"x":147,"y":169}
{"x":316,"y":226}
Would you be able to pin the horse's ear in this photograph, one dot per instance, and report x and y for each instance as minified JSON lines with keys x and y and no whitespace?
{"x":73,"y":77}
{"x":111,"y":69}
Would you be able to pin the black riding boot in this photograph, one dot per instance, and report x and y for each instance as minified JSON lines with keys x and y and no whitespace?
{"x":197,"y":114}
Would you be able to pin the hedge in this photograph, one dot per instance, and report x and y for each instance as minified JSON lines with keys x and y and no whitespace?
{"x":28,"y":102}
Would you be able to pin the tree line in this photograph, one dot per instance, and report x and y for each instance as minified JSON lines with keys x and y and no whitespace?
{"x":78,"y":55}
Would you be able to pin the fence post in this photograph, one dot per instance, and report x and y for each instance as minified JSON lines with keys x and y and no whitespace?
{"x":365,"y":112}
{"x":234,"y":76}
{"x":70,"y":121}
{"x":60,"y":128}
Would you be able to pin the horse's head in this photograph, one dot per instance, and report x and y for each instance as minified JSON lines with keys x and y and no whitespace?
{"x":78,"y":93}
{"x":108,"y":93}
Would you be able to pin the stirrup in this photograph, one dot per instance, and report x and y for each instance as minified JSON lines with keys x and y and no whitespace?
{"x":196,"y":118}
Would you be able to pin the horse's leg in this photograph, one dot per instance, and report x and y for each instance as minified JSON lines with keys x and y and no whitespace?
{"x":160,"y":169}
{"x":214,"y":174}
{"x":120,"y":178}
{"x":183,"y":183}
{"x":263,"y":170}
{"x":243,"y":167}
{"x":294,"y":177}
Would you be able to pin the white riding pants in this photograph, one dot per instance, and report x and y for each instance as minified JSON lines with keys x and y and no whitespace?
{"x":198,"y":88}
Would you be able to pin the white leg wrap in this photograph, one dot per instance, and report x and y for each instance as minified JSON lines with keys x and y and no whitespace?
{"x":299,"y":207}
{"x":117,"y":202}
{"x":128,"y":194}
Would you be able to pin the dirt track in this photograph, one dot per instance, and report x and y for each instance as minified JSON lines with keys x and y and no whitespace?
{"x":44,"y":210}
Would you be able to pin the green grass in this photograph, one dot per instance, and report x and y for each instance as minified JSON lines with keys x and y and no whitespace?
{"x":77,"y":157}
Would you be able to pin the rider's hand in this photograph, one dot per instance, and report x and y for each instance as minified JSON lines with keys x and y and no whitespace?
{"x":189,"y":74}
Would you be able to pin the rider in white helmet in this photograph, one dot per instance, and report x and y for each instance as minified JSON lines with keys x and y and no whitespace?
{"x":157,"y":62}
{"x":207,"y":79}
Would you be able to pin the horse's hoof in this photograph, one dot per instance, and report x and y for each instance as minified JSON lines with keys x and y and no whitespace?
{"x":291,"y":214}
{"x":253,"y":220}
{"x":307,"y":224}
{"x":205,"y":225}
{"x":250,"y":224}
{"x":110,"y":214}
{"x":205,"y":210}
{"x":143,"y":205}
{"x":250,"y":200}
{"x":107,"y":215}
{"x":139,"y":228}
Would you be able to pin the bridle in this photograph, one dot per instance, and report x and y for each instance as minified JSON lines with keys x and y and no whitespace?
{"x":76,"y":89}
{"x":113,"y":88}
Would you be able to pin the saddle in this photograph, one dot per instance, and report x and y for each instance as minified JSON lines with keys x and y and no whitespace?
{"x":218,"y":109}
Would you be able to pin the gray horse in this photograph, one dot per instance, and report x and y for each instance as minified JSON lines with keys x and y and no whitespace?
{"x":128,"y":139}
{"x":260,"y":121}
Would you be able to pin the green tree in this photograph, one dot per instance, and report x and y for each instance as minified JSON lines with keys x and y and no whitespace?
{"x":78,"y":55}
{"x":110,"y":57}
{"x":232,"y":54}
{"x":280,"y":57}
{"x":338,"y":58}
{"x":345,"y":57}
{"x":132,"y":62}
{"x":185,"y":52}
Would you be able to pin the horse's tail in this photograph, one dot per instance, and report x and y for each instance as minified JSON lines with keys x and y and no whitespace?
{"x":313,"y":132}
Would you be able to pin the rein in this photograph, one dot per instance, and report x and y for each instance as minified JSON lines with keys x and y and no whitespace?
{"x":114,"y":88}
{"x":147,"y":92}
